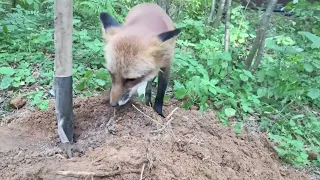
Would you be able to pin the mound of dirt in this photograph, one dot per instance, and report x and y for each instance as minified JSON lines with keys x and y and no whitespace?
{"x":133,"y":142}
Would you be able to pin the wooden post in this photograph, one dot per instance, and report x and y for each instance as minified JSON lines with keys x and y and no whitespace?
{"x":63,"y":17}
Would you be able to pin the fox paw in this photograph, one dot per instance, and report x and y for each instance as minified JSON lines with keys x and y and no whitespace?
{"x":158,"y":109}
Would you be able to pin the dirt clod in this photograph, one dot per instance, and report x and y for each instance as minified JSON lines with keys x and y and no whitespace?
{"x":190,"y":146}
{"x":18,"y":102}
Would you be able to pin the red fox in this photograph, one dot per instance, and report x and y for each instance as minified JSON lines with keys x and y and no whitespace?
{"x":137,"y":51}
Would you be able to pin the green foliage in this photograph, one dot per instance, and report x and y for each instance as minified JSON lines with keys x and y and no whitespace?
{"x":284,"y":91}
{"x":296,"y":137}
{"x":39,"y":99}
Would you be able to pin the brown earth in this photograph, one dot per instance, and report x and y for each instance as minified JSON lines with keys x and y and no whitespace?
{"x":189,"y":146}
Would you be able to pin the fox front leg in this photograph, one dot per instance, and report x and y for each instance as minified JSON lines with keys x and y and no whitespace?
{"x":163,"y":79}
{"x":148,"y":93}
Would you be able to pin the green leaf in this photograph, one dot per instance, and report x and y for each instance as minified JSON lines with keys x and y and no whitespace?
{"x":226,"y":56}
{"x":230,"y":112}
{"x":29,"y":2}
{"x":102,"y":74}
{"x":214,"y":82}
{"x":297,"y":116}
{"x":248,"y":73}
{"x":166,"y":97}
{"x":308,"y":67}
{"x":5,"y":29}
{"x":272,"y":45}
{"x":44,"y":105}
{"x":314,"y":93}
{"x":271,"y":73}
{"x":292,"y":123}
{"x":75,"y":21}
{"x":315,"y":39}
{"x":262,"y":92}
{"x":7,"y":71}
{"x":100,"y":82}
{"x":88,"y":74}
{"x":243,"y":77}
{"x":30,"y":79}
{"x":224,"y":64}
{"x":297,"y":144}
{"x":246,"y":107}
{"x":276,"y":137}
{"x":238,"y":127}
{"x":213,"y":90}
{"x":304,"y":155}
{"x":6,"y":82}
{"x":80,"y":86}
{"x":180,"y":93}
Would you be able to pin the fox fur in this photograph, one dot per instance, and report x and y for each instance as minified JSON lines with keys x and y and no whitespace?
{"x":137,"y":51}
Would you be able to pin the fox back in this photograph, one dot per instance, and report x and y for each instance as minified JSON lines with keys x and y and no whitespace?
{"x":137,"y":50}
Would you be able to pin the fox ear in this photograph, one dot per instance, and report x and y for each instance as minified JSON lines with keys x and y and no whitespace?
{"x":161,"y":39}
{"x":108,"y":21}
{"x":169,"y":34}
{"x":110,"y":26}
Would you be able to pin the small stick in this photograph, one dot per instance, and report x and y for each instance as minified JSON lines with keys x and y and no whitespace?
{"x":145,"y":115}
{"x":141,"y":175}
{"x":96,"y":174}
{"x":161,"y":129}
{"x":167,"y":123}
{"x":168,"y":117}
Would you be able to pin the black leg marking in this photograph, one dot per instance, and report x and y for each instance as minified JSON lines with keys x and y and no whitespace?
{"x":148,"y":93}
{"x":163,"y":79}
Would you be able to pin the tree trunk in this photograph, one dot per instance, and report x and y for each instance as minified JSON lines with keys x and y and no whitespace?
{"x":63,"y":17}
{"x":260,"y":53}
{"x":213,"y":11}
{"x":13,"y":4}
{"x":227,"y":26}
{"x":219,"y":14}
{"x":261,"y":32}
{"x":165,"y":4}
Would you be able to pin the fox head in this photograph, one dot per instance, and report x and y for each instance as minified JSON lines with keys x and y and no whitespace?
{"x":132,"y":60}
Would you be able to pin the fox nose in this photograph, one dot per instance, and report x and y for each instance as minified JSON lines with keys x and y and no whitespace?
{"x":114,"y":104}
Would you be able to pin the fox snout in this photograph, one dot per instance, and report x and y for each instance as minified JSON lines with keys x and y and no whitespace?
{"x":118,"y":96}
{"x":115,"y":96}
{"x":114,"y":103}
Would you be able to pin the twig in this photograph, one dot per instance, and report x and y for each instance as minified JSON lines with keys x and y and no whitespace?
{"x":167,"y":123}
{"x":146,"y":115}
{"x":96,"y":174}
{"x":191,"y":140}
{"x":168,"y":117}
{"x":163,"y":127}
{"x":141,"y":175}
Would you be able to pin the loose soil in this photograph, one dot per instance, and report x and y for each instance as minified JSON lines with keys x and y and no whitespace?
{"x":126,"y":142}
